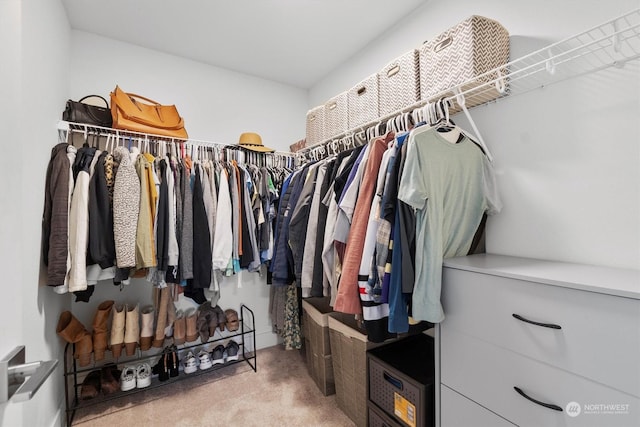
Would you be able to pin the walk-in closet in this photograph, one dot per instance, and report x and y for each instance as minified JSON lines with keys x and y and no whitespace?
{"x":363,"y":213}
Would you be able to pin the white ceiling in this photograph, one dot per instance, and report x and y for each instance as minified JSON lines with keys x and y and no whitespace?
{"x":296,"y":42}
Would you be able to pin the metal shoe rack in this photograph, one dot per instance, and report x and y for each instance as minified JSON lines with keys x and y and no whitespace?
{"x":73,"y":374}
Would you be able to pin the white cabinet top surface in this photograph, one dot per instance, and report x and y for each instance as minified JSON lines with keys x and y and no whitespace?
{"x":606,"y":280}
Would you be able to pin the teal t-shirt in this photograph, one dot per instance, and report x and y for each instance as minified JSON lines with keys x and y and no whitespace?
{"x":450,"y":185}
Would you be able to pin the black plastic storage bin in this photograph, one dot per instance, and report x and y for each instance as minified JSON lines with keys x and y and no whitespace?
{"x":378,"y":418}
{"x":400,"y":380}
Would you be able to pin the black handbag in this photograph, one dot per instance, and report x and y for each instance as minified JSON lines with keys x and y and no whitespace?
{"x":79,"y":112}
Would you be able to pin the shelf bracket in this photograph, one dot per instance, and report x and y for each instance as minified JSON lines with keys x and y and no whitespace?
{"x":14,"y":371}
{"x":616,"y":37}
{"x":550,"y":65}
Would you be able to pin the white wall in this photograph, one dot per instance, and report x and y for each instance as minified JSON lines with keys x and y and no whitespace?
{"x":567,"y":157}
{"x":10,"y":30}
{"x":217,"y":105}
{"x":34,"y":73}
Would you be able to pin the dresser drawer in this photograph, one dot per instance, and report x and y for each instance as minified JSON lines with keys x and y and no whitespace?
{"x":487,"y":374}
{"x":458,"y":411}
{"x":599,"y":336}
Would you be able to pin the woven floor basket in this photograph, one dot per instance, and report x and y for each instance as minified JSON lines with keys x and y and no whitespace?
{"x":363,"y":101}
{"x":460,"y":54}
{"x":315,"y":126}
{"x":336,"y":118}
{"x":399,"y":83}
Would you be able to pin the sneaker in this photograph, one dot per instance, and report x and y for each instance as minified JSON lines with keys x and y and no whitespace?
{"x":143,"y":375}
{"x":190,"y":363}
{"x":205,"y":360}
{"x":218,"y":354}
{"x":232,"y":350}
{"x":128,"y":378}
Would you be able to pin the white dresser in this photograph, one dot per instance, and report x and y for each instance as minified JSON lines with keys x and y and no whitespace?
{"x":538,"y":343}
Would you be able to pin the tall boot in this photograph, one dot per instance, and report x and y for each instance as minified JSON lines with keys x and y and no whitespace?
{"x":146,"y":333}
{"x":100,"y":330}
{"x":72,"y":331}
{"x":171,"y":313}
{"x":222,"y":318}
{"x":117,"y":330}
{"x":191,"y":318}
{"x":161,"y":323}
{"x":202,"y":323}
{"x":132,"y":330}
{"x":179,"y":328}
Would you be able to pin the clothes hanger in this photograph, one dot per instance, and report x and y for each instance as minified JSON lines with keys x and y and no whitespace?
{"x":460,"y":99}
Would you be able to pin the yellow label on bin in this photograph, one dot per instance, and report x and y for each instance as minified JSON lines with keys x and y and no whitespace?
{"x":404,"y":409}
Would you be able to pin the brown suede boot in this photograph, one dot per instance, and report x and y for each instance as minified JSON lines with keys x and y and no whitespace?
{"x":132,"y":330}
{"x":171,"y":314}
{"x":191,"y":318}
{"x":161,"y":308}
{"x":72,"y":331}
{"x":179,"y":328}
{"x":109,"y":379}
{"x":90,"y":386}
{"x":222,"y":318}
{"x":100,"y":330}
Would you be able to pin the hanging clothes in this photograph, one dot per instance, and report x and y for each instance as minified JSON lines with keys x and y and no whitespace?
{"x":320,"y":284}
{"x":102,"y":249}
{"x":186,"y":230}
{"x":201,"y":234}
{"x":459,"y":183}
{"x":306,"y":278}
{"x":144,"y":215}
{"x":222,"y":252}
{"x":83,"y":168}
{"x":348,"y":298}
{"x":55,"y":237}
{"x":145,"y":238}
{"x":126,"y":205}
{"x":299,"y":221}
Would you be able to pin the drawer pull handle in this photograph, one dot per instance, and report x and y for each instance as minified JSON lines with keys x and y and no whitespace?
{"x":394,"y":381}
{"x":544,"y":325}
{"x":546,"y":405}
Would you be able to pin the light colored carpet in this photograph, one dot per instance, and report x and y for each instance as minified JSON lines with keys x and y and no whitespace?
{"x":281,"y":393}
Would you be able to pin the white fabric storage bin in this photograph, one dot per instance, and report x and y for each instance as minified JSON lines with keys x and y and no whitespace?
{"x":336,"y":116}
{"x":399,"y":83}
{"x":363,"y":101}
{"x":315,"y":126}
{"x":473,"y":47}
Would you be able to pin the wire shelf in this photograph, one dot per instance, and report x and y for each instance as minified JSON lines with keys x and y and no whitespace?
{"x":611,"y":44}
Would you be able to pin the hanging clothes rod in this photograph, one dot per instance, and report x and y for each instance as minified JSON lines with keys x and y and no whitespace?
{"x":65,"y":127}
{"x":613,"y":43}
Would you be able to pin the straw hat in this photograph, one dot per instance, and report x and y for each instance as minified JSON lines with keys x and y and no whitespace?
{"x":253,"y":141}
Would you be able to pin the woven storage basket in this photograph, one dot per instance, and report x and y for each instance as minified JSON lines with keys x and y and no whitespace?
{"x":315,"y":126}
{"x":336,"y":116}
{"x":399,"y":83}
{"x":460,"y":54}
{"x":363,"y":101}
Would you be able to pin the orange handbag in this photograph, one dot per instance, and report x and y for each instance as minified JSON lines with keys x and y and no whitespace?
{"x":139,"y":114}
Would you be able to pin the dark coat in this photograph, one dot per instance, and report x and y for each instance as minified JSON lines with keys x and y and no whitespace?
{"x":55,"y":230}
